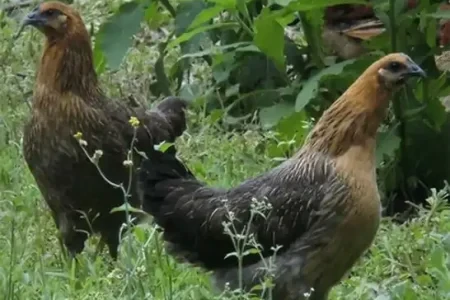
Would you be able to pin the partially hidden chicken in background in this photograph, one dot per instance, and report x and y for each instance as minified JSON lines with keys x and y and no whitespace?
{"x":347,"y":26}
{"x":325,"y":202}
{"x":67,"y":99}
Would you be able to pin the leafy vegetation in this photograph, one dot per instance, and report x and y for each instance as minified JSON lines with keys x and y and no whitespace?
{"x":256,"y":89}
{"x":257,"y":71}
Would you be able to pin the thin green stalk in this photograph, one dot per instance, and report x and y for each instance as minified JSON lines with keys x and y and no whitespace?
{"x":397,"y":101}
{"x":247,"y":29}
{"x":312,"y":40}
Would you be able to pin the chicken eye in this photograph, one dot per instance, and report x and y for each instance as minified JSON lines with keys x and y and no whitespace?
{"x":395,"y":66}
{"x":50,"y":12}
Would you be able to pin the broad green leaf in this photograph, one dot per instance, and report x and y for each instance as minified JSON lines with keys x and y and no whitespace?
{"x":206,"y":15}
{"x":270,"y":116}
{"x":435,"y":111}
{"x":188,"y":35}
{"x":400,"y":6}
{"x":217,"y":50}
{"x":437,"y":259}
{"x":99,"y":60}
{"x":387,"y":143}
{"x":281,"y":2}
{"x":187,"y":11}
{"x":114,"y":36}
{"x":127,"y":207}
{"x":441,"y":14}
{"x":139,"y":233}
{"x":153,"y":16}
{"x":190,"y":92}
{"x":168,"y":6}
{"x":304,"y":5}
{"x":163,"y":146}
{"x":232,"y":90}
{"x":311,"y":86}
{"x":227,"y":4}
{"x":186,"y":14}
{"x":431,"y":33}
{"x":269,"y":37}
{"x":293,"y":126}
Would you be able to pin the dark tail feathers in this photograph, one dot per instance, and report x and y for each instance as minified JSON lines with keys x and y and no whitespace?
{"x":157,"y":178}
{"x":172,"y":110}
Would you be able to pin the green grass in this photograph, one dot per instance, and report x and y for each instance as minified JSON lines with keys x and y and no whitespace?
{"x":408,"y":261}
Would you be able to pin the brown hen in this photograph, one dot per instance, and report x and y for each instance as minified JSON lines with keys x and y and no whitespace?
{"x":325,"y":202}
{"x":68,"y":99}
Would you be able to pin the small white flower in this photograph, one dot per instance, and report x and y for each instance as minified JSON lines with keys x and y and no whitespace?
{"x":97,"y":155}
{"x":128,"y":163}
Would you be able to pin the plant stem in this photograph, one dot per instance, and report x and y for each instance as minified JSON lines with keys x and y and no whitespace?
{"x":312,"y":40}
{"x":397,"y":102}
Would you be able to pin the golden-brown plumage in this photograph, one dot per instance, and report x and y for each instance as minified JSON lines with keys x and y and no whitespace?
{"x":67,"y":99}
{"x":325,"y":202}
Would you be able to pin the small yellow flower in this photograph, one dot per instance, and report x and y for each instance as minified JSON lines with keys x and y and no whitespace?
{"x":78,"y":135}
{"x":134,"y":122}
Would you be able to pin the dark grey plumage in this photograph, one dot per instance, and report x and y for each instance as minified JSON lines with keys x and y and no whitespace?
{"x":192,"y":214}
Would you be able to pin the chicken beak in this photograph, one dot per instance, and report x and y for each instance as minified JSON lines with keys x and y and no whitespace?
{"x":414,"y":70}
{"x":34,"y":18}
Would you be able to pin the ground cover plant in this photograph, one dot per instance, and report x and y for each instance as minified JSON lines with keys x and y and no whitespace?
{"x":239,"y":126}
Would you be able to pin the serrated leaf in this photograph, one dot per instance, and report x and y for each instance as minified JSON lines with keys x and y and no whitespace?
{"x":309,"y":90}
{"x":269,"y":38}
{"x":114,"y":36}
{"x":270,"y":116}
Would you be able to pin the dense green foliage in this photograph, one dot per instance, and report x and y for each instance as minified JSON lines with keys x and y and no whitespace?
{"x":255,"y":93}
{"x":255,"y":71}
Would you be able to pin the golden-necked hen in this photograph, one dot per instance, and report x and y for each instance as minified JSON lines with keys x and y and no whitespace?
{"x":67,"y":99}
{"x":325,"y":202}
